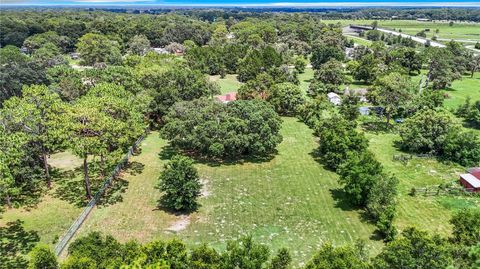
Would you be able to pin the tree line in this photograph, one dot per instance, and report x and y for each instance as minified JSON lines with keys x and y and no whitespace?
{"x":413,"y":249}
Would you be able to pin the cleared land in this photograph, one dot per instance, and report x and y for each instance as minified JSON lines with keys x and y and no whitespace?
{"x":287,"y":201}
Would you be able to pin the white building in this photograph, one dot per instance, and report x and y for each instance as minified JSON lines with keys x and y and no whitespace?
{"x":334,"y":98}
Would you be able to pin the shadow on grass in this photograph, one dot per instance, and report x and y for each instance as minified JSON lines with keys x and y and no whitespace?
{"x":161,"y":206}
{"x":169,"y":151}
{"x":134,"y":168}
{"x":377,"y":127}
{"x":71,"y":188}
{"x":15,"y":243}
{"x":342,"y":201}
{"x":376,"y":236}
{"x":114,"y":193}
{"x":316,"y":156}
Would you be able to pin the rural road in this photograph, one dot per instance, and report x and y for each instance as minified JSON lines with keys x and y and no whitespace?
{"x":414,"y":38}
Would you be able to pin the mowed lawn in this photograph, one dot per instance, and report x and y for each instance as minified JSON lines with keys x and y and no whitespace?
{"x":289,"y":201}
{"x":462,"y":89}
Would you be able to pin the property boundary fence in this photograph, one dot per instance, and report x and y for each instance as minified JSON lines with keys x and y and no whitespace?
{"x":442,"y":190}
{"x":86,"y":211}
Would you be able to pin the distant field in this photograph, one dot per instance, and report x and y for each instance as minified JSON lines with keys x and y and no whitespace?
{"x":359,"y":40}
{"x":461,"y":31}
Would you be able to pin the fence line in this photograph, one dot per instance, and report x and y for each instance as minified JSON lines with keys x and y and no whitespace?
{"x":442,"y":190}
{"x":86,"y":211}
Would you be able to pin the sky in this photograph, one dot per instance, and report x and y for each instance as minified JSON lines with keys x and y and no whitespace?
{"x":247,"y":3}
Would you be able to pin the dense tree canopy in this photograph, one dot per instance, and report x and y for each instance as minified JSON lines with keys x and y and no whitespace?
{"x":426,"y":131}
{"x":338,"y":138}
{"x":240,"y":128}
{"x":97,"y":48}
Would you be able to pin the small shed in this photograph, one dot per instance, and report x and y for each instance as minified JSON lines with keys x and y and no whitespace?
{"x":231,"y":96}
{"x":334,"y":98}
{"x":470,"y":182}
{"x":364,"y":110}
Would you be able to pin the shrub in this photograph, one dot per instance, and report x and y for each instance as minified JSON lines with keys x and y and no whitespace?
{"x":180,"y":183}
{"x":42,"y":257}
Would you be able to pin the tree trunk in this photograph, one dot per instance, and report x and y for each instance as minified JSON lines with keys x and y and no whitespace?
{"x":45,"y":166}
{"x":388,"y":119}
{"x":102,"y":163}
{"x":8,"y":200}
{"x":87,"y":179}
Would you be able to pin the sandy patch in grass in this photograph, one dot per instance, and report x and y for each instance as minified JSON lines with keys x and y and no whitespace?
{"x":205,"y":190}
{"x":180,"y":224}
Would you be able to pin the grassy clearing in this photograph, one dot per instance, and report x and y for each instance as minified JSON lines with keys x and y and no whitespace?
{"x":227,"y":84}
{"x":287,"y":201}
{"x":305,"y":79}
{"x":429,"y":213}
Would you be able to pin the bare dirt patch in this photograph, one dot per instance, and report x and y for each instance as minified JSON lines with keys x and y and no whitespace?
{"x":180,"y":224}
{"x":205,"y":190}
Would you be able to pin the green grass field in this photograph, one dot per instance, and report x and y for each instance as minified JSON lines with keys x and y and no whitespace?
{"x":305,"y":79}
{"x":289,"y":201}
{"x":429,"y":213}
{"x":461,"y":89}
{"x":359,"y":40}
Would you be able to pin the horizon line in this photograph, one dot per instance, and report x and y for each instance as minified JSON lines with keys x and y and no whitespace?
{"x":252,"y":5}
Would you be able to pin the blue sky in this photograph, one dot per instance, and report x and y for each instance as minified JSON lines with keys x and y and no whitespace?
{"x":273,"y":3}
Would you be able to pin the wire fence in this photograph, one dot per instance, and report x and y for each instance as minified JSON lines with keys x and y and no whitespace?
{"x":86,"y":211}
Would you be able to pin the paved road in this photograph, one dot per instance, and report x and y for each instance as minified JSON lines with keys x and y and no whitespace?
{"x":414,"y":38}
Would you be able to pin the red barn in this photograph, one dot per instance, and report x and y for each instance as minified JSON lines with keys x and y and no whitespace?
{"x":471,"y":181}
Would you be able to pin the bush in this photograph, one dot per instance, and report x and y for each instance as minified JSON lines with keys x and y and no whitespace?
{"x":426,"y":131}
{"x":102,"y":251}
{"x":466,"y":226}
{"x":358,"y":173}
{"x":42,"y":257}
{"x":180,"y":183}
{"x":463,"y":148}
